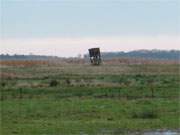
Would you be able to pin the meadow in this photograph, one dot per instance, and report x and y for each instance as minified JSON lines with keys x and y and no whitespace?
{"x":72,"y":97}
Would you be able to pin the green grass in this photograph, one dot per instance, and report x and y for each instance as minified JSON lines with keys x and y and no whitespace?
{"x":52,"y":101}
{"x":74,"y":115}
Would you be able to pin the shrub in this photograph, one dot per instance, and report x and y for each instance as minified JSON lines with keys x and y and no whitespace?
{"x":53,"y":83}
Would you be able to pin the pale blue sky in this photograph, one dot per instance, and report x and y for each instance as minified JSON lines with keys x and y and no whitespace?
{"x":29,"y":18}
{"x":41,"y":19}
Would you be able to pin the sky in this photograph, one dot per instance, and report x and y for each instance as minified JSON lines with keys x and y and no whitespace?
{"x":67,"y":28}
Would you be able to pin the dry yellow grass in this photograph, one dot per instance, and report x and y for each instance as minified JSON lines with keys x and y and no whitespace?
{"x":23,"y":63}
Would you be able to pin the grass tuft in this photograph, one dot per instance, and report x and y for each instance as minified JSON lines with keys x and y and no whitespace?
{"x":144,"y":113}
{"x":53,"y":83}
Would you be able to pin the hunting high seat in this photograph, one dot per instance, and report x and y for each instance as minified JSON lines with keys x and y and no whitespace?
{"x":95,"y":56}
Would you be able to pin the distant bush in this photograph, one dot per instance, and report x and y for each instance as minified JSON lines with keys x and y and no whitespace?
{"x":53,"y":83}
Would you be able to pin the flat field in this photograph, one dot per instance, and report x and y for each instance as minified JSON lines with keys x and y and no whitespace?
{"x":72,"y":97}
